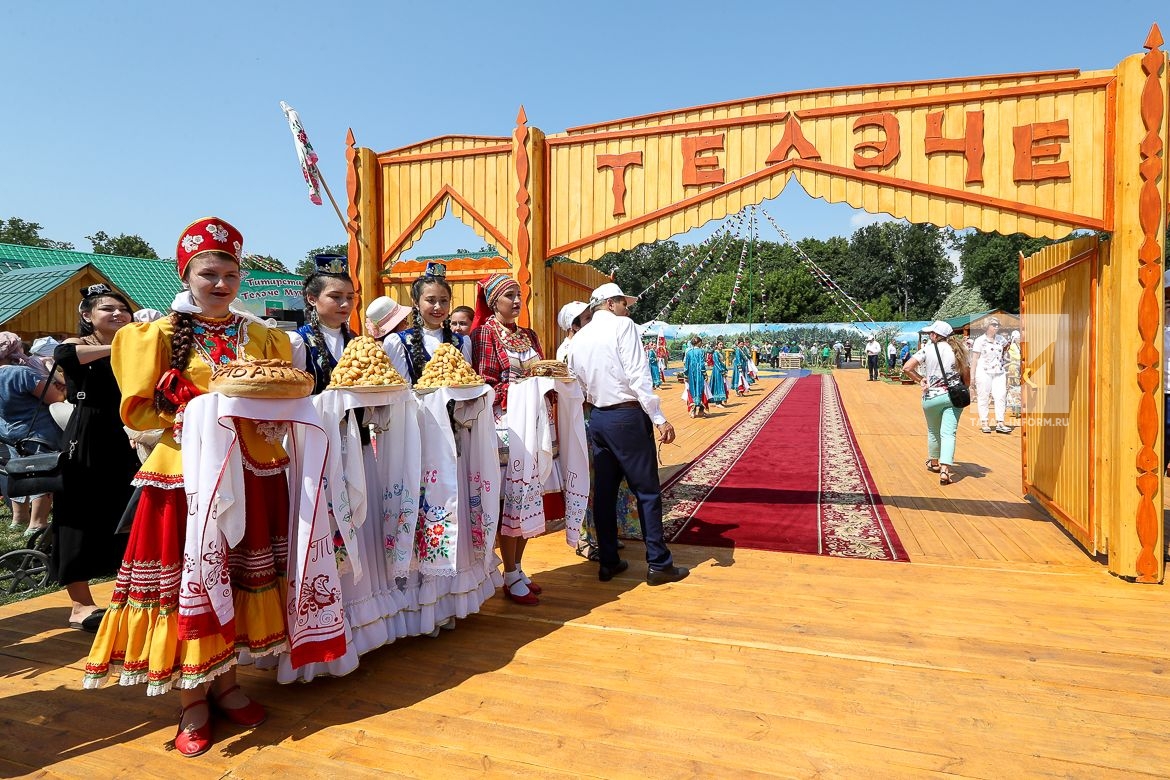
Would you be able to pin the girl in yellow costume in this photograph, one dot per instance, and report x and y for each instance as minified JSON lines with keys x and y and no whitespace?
{"x":160,"y":366}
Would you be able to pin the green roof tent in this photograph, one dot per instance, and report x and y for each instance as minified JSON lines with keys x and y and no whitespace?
{"x":151,"y":284}
{"x":22,"y":288}
{"x":970,"y":323}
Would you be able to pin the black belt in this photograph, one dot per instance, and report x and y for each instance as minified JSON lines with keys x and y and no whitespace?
{"x":622,"y":405}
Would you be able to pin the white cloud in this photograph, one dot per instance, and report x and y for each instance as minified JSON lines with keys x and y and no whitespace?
{"x":862,"y":218}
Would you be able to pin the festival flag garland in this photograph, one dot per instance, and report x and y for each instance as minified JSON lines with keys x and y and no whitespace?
{"x":731,"y":229}
{"x":739,"y":269}
{"x":843,"y":298}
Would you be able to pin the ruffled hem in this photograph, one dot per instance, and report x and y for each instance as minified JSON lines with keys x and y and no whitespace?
{"x":267,"y":471}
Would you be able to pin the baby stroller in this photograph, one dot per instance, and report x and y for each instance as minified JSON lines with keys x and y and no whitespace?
{"x":28,"y":568}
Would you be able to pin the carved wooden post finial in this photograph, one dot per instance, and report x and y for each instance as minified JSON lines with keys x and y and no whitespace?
{"x":1154,"y":39}
{"x":523,"y":213}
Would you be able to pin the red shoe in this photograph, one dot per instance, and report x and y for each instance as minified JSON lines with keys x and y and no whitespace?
{"x":193,"y":742}
{"x":532,"y":586}
{"x":527,"y":600}
{"x":249,"y":716}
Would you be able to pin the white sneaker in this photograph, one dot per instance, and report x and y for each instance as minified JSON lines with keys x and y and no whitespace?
{"x":1001,"y":428}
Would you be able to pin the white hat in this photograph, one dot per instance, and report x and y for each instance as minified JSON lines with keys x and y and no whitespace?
{"x":383,"y":315}
{"x":147,"y":315}
{"x":939,"y":327}
{"x":569,"y":312}
{"x":607,"y":291}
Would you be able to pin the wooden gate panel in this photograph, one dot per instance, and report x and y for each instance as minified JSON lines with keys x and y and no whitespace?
{"x":1059,"y":368}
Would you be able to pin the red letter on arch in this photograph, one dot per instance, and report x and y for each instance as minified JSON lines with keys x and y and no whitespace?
{"x":1025,"y":167}
{"x":618,"y":163}
{"x":970,"y":145}
{"x":885,"y":151}
{"x":711,"y":173}
{"x":793,"y":138}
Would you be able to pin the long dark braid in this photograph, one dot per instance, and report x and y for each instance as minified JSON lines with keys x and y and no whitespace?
{"x":182,"y":342}
{"x":418,"y":353}
{"x":314,"y":285}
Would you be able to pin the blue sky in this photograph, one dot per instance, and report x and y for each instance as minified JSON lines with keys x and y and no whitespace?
{"x":139,"y":117}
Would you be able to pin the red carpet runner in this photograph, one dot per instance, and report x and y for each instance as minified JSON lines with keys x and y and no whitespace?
{"x":790,"y":478}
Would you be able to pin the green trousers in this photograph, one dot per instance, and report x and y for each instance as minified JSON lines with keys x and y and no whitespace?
{"x":942,"y":423}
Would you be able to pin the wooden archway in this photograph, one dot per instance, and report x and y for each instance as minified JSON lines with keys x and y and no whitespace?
{"x":1042,"y":153}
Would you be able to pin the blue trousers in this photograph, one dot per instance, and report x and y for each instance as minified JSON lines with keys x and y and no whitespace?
{"x":622,"y":441}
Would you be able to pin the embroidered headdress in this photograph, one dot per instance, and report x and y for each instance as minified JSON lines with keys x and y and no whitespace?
{"x":490,"y":289}
{"x":210,"y":234}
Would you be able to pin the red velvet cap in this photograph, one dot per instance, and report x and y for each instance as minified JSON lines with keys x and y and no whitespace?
{"x":209,"y":234}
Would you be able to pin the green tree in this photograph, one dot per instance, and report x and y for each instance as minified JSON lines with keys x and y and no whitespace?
{"x":991,"y":264}
{"x":15,"y":230}
{"x":964,"y":299}
{"x":307,"y":266}
{"x":122,"y":245}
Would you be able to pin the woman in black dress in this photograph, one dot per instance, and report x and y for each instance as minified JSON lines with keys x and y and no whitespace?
{"x":99,"y":461}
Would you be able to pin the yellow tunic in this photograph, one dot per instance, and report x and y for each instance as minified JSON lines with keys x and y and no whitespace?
{"x":142,"y":354}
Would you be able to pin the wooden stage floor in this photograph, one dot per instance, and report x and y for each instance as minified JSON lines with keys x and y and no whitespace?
{"x":1001,"y":650}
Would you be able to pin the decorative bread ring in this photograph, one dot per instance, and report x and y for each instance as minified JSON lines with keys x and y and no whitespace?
{"x":261,"y":379}
{"x":553,"y":368}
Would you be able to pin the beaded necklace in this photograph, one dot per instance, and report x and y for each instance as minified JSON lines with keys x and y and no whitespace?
{"x":517,"y":341}
{"x":219,"y":342}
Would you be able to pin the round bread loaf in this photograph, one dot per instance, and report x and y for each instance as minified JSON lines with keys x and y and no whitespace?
{"x":261,"y":379}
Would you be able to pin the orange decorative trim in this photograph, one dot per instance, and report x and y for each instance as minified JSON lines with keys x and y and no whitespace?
{"x":1066,"y":218}
{"x":446,"y":192}
{"x":1067,"y":264}
{"x":452,"y":137}
{"x":868,"y":107}
{"x":1110,"y":152}
{"x":416,"y":267}
{"x":354,"y":225}
{"x":1149,"y":356}
{"x":523,"y":213}
{"x":480,"y":151}
{"x":832,"y":90}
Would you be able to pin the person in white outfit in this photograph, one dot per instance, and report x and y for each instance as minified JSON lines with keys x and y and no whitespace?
{"x":988,"y":355}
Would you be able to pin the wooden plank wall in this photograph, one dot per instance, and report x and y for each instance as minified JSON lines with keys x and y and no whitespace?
{"x":56,"y":314}
{"x":916,"y":186}
{"x":1060,"y":310}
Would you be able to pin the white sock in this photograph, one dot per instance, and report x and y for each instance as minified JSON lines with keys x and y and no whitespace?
{"x":523,"y":576}
{"x":514,"y":582}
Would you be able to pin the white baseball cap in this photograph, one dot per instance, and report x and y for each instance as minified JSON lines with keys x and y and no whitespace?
{"x":941,"y":328}
{"x":607,"y":291}
{"x":569,"y":312}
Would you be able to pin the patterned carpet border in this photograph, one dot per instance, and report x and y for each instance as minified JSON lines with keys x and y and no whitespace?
{"x":852,"y":523}
{"x":687,"y":490}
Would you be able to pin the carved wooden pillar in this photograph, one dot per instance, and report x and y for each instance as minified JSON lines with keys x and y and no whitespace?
{"x":530,"y":237}
{"x":1133,"y":299}
{"x":362,"y":216}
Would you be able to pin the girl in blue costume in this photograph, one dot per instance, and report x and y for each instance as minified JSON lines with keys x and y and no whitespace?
{"x":695,"y":366}
{"x":718,"y":378}
{"x":329,"y":297}
{"x":442,"y":599}
{"x":740,"y":378}
{"x":655,"y":372}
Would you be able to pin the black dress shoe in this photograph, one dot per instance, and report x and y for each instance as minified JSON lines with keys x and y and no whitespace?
{"x":663,"y":576}
{"x":606,"y":573}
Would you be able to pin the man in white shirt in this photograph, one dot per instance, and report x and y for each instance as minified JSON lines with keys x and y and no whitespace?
{"x":987,"y":356}
{"x":607,"y":357}
{"x":872,"y":351}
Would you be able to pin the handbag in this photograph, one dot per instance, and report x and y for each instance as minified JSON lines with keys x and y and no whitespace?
{"x":36,"y":467}
{"x":959,"y":393}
